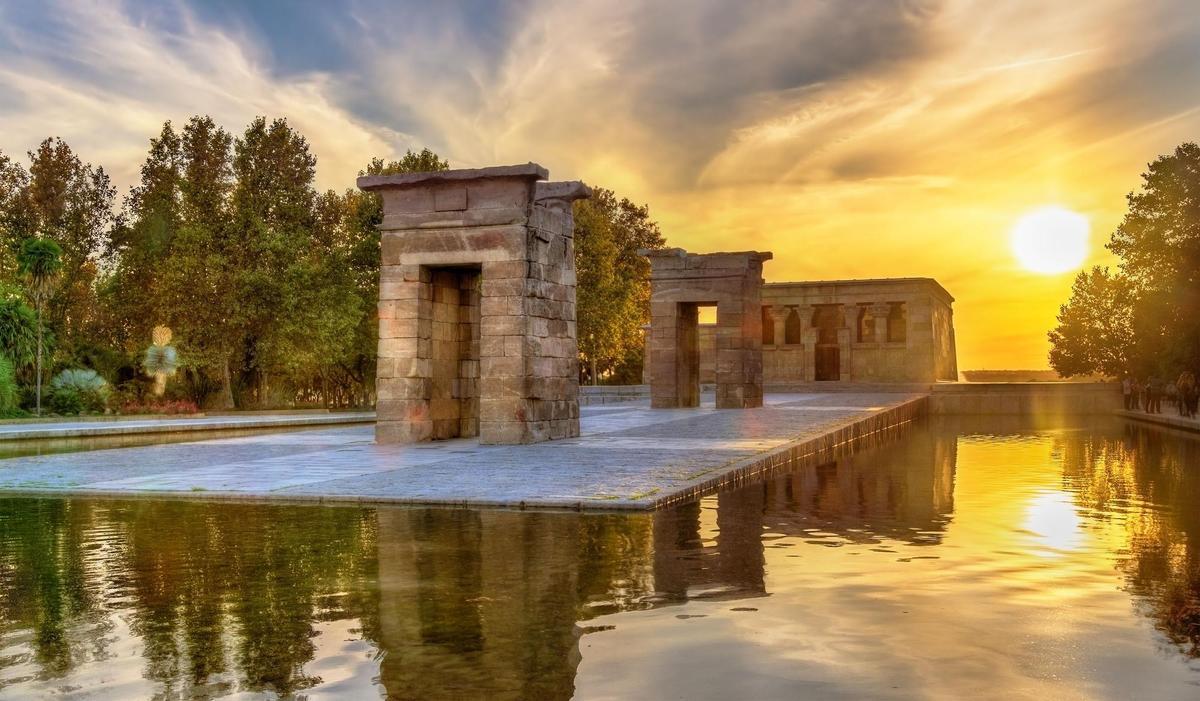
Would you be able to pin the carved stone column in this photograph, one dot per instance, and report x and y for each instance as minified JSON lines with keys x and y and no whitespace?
{"x":779,"y":315}
{"x":879,"y":314}
{"x":844,"y":346}
{"x":808,"y":335}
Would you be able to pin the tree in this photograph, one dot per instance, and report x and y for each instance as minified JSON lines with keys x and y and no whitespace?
{"x":40,"y":263}
{"x":1144,"y":318}
{"x":1095,"y":329}
{"x":139,"y":245}
{"x":71,"y":203}
{"x":613,"y":292}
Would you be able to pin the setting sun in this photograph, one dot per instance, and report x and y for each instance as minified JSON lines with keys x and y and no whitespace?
{"x":1051,"y":240}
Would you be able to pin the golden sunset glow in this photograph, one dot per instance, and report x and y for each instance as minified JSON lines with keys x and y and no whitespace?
{"x":1051,"y":240}
{"x":903,"y":139}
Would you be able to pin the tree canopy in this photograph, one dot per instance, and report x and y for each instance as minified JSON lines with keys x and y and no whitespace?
{"x":1145,"y":316}
{"x":268,"y":285}
{"x":613,"y":295}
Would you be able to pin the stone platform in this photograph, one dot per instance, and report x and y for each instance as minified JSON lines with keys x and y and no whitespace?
{"x":628,"y":456}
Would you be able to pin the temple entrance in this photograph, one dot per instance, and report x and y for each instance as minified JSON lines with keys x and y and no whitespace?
{"x":827,"y":364}
{"x":454,"y":352}
{"x":827,"y":355}
{"x":680,"y":284}
{"x":687,"y":354}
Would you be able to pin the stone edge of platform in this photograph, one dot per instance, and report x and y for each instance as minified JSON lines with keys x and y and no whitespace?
{"x":1161,"y":420}
{"x":835,"y":441}
{"x":168,"y":426}
{"x":830,"y":442}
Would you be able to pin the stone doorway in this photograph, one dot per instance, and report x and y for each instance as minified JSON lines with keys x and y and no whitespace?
{"x":827,"y":363}
{"x":687,"y":354}
{"x":454,"y":352}
{"x":827,"y":353}
{"x":681,"y":283}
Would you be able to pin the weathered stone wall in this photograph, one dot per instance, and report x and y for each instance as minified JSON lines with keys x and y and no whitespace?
{"x":680,"y":283}
{"x":1032,"y":399}
{"x":923,"y":352}
{"x":789,"y":314}
{"x":477,"y":306}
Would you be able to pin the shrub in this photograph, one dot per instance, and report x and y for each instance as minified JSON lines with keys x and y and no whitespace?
{"x":9,"y":396}
{"x":81,"y":387}
{"x":18,"y":332}
{"x":160,"y":406}
{"x":67,"y":400}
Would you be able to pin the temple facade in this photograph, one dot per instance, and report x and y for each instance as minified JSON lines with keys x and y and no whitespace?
{"x":895,"y":330}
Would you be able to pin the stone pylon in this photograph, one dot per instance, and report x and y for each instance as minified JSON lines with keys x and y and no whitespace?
{"x":477,"y":306}
{"x":681,"y":283}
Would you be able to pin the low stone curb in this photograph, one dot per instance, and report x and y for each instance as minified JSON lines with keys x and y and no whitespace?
{"x":1164,"y":420}
{"x":187,"y":425}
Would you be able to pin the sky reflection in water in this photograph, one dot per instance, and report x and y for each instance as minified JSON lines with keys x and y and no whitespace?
{"x":952,"y":563}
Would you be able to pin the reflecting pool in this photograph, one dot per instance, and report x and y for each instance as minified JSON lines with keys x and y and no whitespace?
{"x":963,"y":560}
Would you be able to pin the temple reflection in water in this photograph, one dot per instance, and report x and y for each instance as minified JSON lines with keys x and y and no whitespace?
{"x":207,"y":599}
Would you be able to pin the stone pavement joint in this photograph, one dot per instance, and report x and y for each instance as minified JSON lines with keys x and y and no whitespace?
{"x":627,"y":457}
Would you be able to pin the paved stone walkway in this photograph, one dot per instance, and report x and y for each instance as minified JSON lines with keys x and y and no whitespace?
{"x":1169,"y":418}
{"x":32,"y":430}
{"x":629,"y":456}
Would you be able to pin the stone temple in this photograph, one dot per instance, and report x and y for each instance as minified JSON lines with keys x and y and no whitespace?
{"x":897,"y":330}
{"x":477,"y":306}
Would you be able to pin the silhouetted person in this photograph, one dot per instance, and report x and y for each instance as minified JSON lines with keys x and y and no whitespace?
{"x":1154,"y":390}
{"x":1188,"y":394}
{"x":1127,"y":392}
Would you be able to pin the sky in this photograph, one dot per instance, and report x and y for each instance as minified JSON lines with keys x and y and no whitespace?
{"x":859,"y":139}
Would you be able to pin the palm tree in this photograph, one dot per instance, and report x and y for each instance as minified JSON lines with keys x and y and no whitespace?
{"x":40,"y":262}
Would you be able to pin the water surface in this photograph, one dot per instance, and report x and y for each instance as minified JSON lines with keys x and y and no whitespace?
{"x":964,"y":560}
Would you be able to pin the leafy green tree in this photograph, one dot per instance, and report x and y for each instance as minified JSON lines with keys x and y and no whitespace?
{"x":1144,"y":318}
{"x":142,"y":241}
{"x":613,"y":292}
{"x":1095,"y":330}
{"x":40,"y":263}
{"x":71,"y":203}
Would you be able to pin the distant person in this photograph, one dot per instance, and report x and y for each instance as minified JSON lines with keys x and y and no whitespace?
{"x":1189,"y":394}
{"x":1139,"y":395}
{"x":1127,"y":392}
{"x":1154,"y":388}
{"x":1171,"y":393}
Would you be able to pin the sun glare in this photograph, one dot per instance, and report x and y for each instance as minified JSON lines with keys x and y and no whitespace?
{"x":1051,"y":240}
{"x":1053,"y":521}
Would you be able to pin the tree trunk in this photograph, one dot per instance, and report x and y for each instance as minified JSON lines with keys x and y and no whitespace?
{"x":595,"y":374}
{"x":225,"y":402}
{"x":39,"y":361}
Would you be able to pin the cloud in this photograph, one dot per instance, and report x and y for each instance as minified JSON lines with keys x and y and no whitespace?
{"x":864,"y":139}
{"x":105,"y":81}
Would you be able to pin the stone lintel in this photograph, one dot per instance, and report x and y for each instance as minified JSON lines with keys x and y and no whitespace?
{"x":678,"y":263}
{"x":568,"y":191}
{"x":528,"y":171}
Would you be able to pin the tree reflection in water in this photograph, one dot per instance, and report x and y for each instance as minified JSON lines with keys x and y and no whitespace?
{"x":227,"y":597}
{"x":1149,"y":478}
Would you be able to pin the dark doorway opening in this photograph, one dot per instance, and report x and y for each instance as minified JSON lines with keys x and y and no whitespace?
{"x":827,"y":356}
{"x":454,"y":352}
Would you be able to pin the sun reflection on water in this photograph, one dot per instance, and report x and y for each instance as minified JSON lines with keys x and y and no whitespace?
{"x":1053,"y":519}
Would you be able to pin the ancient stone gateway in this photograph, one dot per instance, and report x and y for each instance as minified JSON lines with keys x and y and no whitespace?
{"x":681,"y":283}
{"x":477,"y":306}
